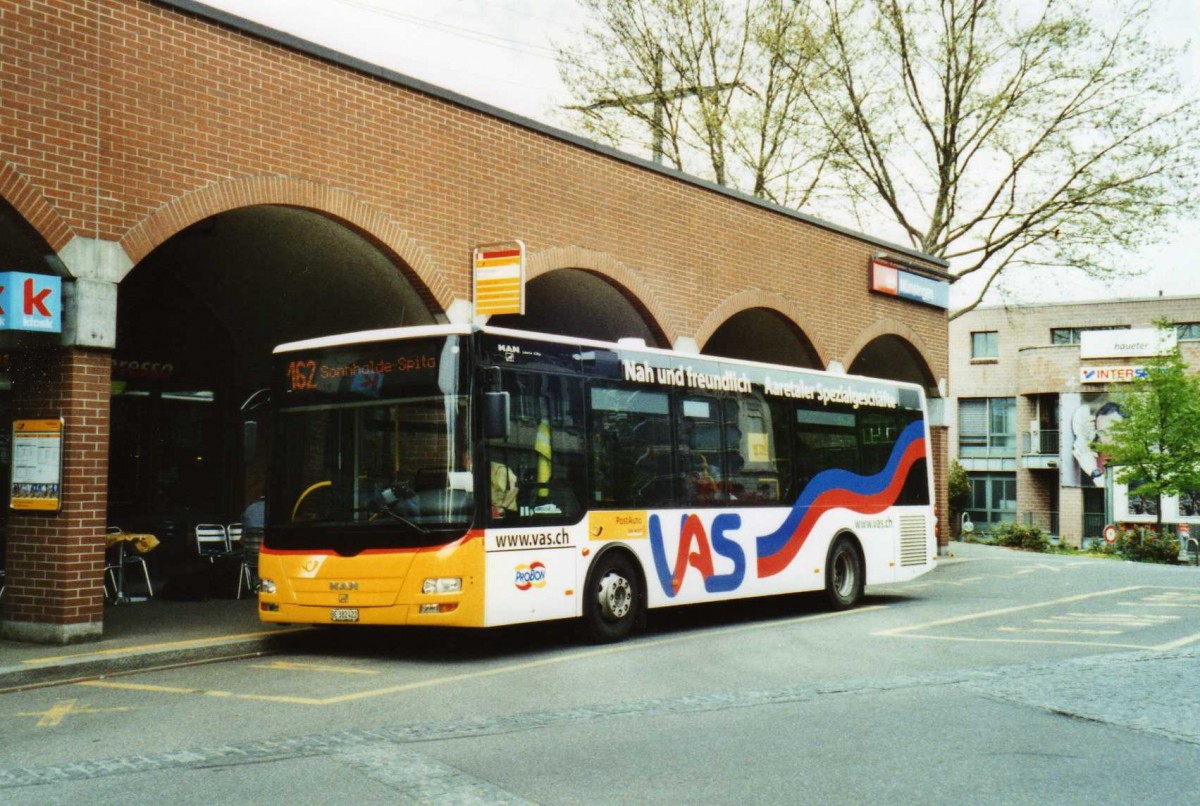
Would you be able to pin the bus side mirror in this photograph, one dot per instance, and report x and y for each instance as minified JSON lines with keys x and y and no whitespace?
{"x":495,"y":415}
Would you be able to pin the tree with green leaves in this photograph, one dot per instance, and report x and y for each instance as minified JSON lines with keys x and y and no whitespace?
{"x":1050,"y":133}
{"x":958,"y":490}
{"x":1155,"y":447}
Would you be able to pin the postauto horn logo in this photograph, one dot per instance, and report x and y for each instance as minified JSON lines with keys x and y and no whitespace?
{"x":530,"y":576}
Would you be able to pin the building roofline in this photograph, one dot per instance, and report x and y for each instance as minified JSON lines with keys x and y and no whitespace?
{"x":1089,"y":302}
{"x":938,"y":267}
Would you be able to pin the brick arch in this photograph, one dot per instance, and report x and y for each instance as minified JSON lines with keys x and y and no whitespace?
{"x":891,"y":327}
{"x":433,"y":285}
{"x":34,"y":207}
{"x":636,"y":290}
{"x":757,"y":298}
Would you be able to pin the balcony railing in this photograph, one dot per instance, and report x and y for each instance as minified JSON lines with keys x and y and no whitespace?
{"x":1093,"y":525}
{"x":1040,"y":443}
{"x":1046,"y":521}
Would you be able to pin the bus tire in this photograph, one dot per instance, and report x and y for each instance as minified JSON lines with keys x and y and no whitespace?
{"x":612,"y":598}
{"x":844,"y":578}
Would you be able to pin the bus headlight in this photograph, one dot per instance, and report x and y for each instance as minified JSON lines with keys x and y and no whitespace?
{"x":266,"y":586}
{"x":442,"y":585}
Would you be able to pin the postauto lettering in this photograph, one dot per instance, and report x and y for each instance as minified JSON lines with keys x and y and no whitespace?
{"x":530,"y":576}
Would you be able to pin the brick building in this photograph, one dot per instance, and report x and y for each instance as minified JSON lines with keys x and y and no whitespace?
{"x":1030,"y":392}
{"x":205,"y":188}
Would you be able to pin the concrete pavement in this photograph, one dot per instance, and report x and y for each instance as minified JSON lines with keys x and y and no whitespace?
{"x":159,"y":632}
{"x":145,"y":635}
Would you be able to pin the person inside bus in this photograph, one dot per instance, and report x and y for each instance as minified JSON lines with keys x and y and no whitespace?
{"x":698,"y":482}
{"x":503,"y":483}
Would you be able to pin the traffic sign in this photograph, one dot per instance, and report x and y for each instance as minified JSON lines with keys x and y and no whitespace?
{"x":1110,"y":534}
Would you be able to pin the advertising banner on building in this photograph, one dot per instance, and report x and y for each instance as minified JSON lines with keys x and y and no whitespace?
{"x":1090,"y":417}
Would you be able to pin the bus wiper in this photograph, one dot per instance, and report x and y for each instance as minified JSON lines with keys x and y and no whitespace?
{"x":404,"y":520}
{"x":389,"y":498}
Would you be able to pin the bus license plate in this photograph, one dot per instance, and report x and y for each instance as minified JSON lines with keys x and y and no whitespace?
{"x":343,"y":614}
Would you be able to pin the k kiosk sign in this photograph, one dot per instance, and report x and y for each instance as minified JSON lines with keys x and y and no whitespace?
{"x":30,"y":302}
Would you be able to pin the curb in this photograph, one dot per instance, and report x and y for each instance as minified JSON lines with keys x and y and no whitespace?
{"x":111,"y":662}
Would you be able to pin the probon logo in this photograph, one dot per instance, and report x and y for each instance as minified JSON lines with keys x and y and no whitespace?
{"x":530,"y":576}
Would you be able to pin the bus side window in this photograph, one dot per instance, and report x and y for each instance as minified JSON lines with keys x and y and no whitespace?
{"x":699,"y":454}
{"x":825,"y":438}
{"x":916,"y":487}
{"x":631,"y":448}
{"x":537,"y":472}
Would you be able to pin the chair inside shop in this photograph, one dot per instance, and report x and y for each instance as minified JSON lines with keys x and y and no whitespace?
{"x":212,"y":541}
{"x":252,"y":539}
{"x":234,"y":533}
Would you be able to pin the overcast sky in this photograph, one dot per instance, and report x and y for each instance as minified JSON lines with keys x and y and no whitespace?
{"x":501,"y":52}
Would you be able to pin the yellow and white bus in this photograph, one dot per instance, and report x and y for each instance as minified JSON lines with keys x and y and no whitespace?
{"x":472,"y":476}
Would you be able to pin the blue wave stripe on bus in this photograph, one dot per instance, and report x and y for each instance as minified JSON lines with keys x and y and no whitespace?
{"x":830,"y":480}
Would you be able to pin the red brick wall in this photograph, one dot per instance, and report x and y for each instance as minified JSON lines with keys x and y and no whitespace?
{"x":55,"y":562}
{"x":188,"y":111}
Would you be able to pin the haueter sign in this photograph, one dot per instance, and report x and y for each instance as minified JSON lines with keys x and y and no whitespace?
{"x":1126,"y":343}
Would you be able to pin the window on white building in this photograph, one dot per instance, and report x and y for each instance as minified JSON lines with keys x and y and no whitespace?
{"x":993,"y":497}
{"x":987,"y":427}
{"x":985,"y":344}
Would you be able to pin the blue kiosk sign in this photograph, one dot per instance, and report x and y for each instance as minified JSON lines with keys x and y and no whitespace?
{"x":30,"y":302}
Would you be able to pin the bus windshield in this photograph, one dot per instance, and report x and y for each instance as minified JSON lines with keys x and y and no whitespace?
{"x":372,"y":447}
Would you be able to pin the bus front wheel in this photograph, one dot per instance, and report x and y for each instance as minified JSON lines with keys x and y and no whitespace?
{"x":613,"y":598}
{"x":844,"y":578}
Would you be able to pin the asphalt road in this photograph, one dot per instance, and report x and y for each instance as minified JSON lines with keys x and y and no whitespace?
{"x":1002,"y":677}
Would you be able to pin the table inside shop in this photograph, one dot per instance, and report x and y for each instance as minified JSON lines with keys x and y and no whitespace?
{"x":142,"y":543}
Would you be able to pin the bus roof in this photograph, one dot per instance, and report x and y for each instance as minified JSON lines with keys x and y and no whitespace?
{"x":624,"y":345}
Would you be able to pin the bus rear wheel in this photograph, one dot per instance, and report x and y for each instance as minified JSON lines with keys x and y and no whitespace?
{"x":612,"y":598}
{"x":844,"y":578}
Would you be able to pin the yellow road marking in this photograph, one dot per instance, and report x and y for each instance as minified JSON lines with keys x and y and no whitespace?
{"x":588,"y":654}
{"x":288,"y":665}
{"x":149,"y":687}
{"x":203,"y":692}
{"x":484,"y":673}
{"x":167,"y":645}
{"x":53,"y":717}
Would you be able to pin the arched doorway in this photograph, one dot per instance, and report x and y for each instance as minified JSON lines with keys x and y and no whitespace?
{"x":895,"y":358}
{"x":580,"y":303}
{"x":197,"y":319}
{"x":22,"y":249}
{"x":762,"y":334}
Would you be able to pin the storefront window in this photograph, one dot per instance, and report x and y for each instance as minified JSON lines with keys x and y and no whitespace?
{"x":993,"y":498}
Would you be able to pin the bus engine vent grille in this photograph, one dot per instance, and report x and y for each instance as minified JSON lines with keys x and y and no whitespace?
{"x":912,"y":540}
